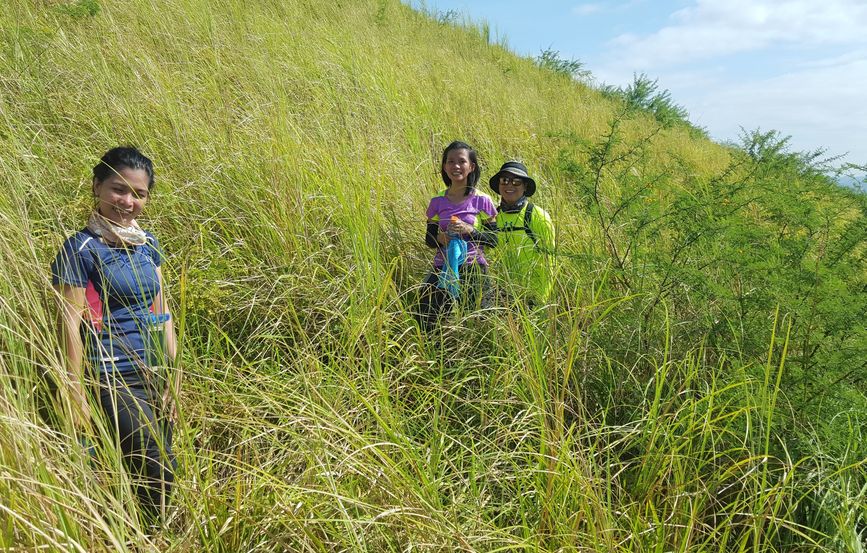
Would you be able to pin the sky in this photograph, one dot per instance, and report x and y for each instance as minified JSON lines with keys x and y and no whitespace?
{"x":795,"y":66}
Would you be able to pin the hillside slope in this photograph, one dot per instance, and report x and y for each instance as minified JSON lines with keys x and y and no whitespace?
{"x":697,"y":386}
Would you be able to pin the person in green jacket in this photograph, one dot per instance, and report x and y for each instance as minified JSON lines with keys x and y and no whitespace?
{"x":524,"y":261}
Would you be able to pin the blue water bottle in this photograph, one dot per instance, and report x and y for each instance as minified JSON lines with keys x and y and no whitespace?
{"x":455,"y":256}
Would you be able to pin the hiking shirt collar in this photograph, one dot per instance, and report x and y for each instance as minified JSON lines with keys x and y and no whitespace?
{"x":514,"y":208}
{"x":463,"y":201}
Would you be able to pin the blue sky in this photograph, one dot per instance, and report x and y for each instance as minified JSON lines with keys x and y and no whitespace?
{"x":796,"y":66}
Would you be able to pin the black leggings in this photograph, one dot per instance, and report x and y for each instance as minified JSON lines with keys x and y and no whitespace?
{"x":134,"y":412}
{"x":435,"y":302}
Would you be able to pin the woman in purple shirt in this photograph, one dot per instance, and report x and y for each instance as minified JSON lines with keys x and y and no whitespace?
{"x":461,"y":212}
{"x":117,"y":329}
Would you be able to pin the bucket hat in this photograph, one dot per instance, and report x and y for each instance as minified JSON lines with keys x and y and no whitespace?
{"x":517,"y":169}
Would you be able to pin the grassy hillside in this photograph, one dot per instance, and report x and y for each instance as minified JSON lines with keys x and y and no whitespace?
{"x":698,"y":384}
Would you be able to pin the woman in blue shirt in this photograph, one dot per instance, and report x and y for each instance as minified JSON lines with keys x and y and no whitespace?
{"x":117,"y":329}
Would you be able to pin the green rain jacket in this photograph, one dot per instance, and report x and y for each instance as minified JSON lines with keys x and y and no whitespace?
{"x":524,"y":261}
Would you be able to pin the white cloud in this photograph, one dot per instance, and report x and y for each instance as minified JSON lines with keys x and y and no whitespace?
{"x":711,"y":28}
{"x":590,"y":8}
{"x":802,"y":68}
{"x":587,"y":9}
{"x":820,"y":107}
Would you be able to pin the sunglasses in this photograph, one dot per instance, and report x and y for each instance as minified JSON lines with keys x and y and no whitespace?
{"x":511,"y":180}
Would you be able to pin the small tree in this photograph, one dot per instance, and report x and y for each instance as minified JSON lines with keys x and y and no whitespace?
{"x":550,"y":59}
{"x":644,"y":95}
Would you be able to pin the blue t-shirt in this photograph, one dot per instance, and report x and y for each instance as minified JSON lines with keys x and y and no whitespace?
{"x":125,"y":281}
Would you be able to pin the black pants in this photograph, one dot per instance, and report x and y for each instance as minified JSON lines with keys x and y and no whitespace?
{"x":132,"y":405}
{"x":434,"y":302}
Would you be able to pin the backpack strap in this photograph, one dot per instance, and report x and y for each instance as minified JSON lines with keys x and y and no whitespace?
{"x":528,"y":214}
{"x":94,"y":301}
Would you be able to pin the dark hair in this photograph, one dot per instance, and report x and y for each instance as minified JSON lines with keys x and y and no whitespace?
{"x":123,"y":157}
{"x":473,"y":177}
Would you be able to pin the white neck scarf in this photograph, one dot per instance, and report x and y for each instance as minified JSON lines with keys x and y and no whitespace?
{"x":111,"y":232}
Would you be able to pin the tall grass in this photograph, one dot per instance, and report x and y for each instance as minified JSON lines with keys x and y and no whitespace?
{"x":296,"y":145}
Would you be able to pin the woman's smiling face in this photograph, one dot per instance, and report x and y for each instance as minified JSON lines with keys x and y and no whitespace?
{"x":512,"y":188}
{"x":458,"y":166}
{"x":122,"y":195}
